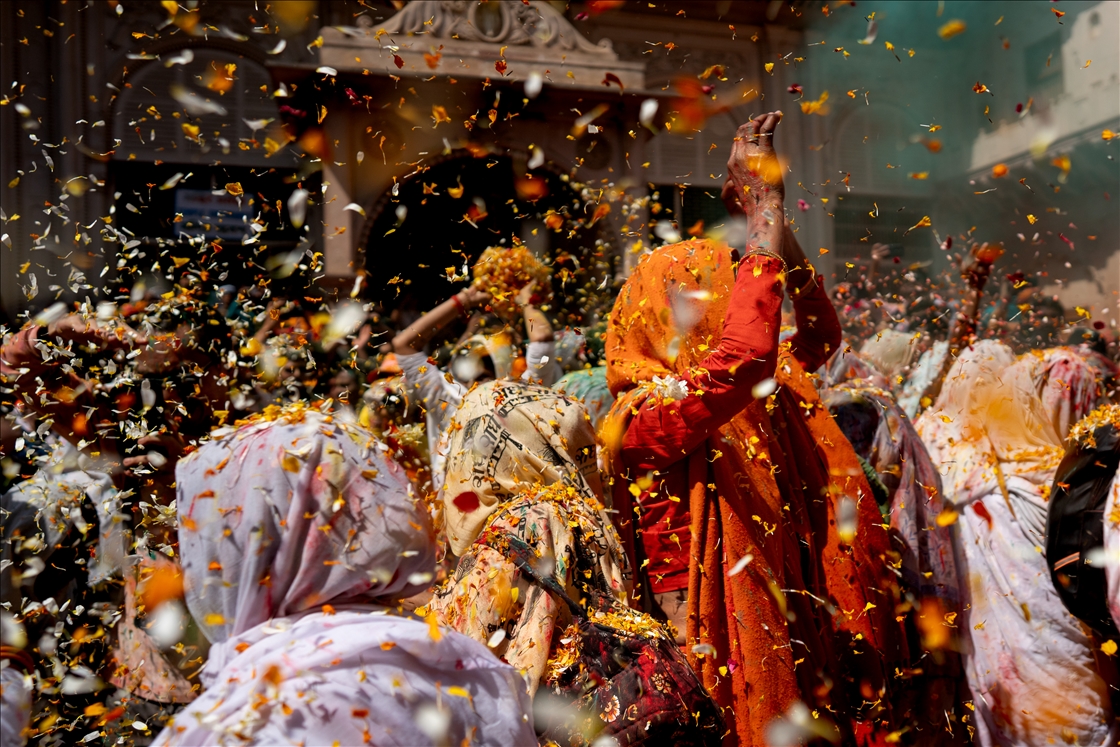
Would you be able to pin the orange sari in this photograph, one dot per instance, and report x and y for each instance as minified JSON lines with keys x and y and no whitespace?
{"x":810,"y":616}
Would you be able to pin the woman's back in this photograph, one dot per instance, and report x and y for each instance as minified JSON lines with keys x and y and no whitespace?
{"x":299,"y":537}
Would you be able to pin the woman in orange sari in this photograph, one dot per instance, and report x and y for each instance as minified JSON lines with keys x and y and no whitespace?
{"x":731,"y":480}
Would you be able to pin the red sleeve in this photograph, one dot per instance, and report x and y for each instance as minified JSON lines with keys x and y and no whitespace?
{"x":663,"y":433}
{"x":818,"y":328}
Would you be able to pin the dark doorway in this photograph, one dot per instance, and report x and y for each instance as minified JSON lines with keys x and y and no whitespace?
{"x":444,"y":217}
{"x":162,"y":204}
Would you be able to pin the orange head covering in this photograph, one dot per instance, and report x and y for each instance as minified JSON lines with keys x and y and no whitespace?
{"x":673,"y":303}
{"x":780,"y":483}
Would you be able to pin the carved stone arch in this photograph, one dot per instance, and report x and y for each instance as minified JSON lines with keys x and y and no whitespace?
{"x":531,"y":37}
{"x":536,"y":24}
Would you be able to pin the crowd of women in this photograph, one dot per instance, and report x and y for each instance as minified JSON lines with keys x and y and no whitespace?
{"x":735,"y":529}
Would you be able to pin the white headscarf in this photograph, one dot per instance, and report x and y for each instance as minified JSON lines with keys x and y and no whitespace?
{"x":292,"y":529}
{"x":283,"y":516}
{"x":889,"y":351}
{"x":954,"y":429}
{"x":357,"y":677}
{"x":1017,"y":411}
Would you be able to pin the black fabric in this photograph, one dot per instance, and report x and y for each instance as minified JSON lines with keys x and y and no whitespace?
{"x":1075,"y":526}
{"x":878,"y":489}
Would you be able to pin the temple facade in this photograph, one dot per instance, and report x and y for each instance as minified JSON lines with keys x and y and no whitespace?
{"x":379,"y":112}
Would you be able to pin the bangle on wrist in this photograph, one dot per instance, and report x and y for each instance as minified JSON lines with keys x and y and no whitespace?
{"x":798,"y":292}
{"x":766,"y":253}
{"x":460,"y":306}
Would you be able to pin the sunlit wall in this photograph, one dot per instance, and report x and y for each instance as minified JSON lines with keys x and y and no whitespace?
{"x":994,"y":119}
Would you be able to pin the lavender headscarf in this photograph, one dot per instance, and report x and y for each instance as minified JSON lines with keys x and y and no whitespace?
{"x":284,"y":516}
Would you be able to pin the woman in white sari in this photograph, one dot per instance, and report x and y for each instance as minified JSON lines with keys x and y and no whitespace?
{"x":997,"y":433}
{"x":298,"y":536}
{"x":1112,"y":531}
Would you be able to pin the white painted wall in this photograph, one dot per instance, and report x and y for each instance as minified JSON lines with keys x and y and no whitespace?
{"x":1089,"y":103}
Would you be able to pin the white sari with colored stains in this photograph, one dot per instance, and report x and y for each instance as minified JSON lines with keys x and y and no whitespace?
{"x":1112,"y":548}
{"x":996,"y":434}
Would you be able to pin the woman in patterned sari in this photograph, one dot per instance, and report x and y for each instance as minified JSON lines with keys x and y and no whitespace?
{"x":522,"y":462}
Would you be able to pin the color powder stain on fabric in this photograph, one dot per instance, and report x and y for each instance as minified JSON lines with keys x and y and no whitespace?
{"x":982,"y":511}
{"x":466,"y":502}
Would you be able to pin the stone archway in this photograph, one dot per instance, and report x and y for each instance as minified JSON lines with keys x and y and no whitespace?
{"x":532,"y":37}
{"x":466,"y":201}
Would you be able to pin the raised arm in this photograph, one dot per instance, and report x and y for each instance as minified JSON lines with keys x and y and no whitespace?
{"x":537,"y":326}
{"x":416,"y":335}
{"x":975,"y":268}
{"x":756,"y":188}
{"x":818,"y":327}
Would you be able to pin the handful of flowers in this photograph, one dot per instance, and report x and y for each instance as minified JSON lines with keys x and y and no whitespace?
{"x":504,"y":271}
